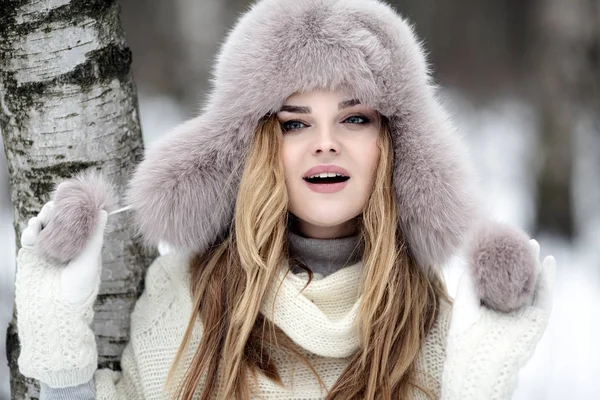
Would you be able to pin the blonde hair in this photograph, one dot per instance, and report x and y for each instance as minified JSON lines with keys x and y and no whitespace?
{"x":228,"y":282}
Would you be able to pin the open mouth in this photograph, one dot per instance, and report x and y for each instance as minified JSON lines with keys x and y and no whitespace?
{"x":332,"y":179}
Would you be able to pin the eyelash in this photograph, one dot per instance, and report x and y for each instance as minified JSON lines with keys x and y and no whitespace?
{"x":366,"y":121}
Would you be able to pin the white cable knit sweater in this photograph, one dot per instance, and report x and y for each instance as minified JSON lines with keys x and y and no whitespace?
{"x":319,"y":320}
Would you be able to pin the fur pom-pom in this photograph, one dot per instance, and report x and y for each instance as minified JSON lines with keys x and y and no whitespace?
{"x":75,"y":215}
{"x":503,"y":266}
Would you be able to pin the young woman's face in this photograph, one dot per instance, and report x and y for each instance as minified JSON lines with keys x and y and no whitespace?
{"x":328,"y":128}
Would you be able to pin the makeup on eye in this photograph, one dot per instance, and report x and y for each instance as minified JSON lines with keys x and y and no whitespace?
{"x":365,"y":120}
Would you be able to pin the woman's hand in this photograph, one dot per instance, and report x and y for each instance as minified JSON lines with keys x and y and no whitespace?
{"x":54,"y":305}
{"x":81,"y":275}
{"x":485,"y":348}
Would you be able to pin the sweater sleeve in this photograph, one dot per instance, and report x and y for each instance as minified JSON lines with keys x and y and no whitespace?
{"x":58,"y":346}
{"x":484,"y":362}
{"x":85,"y":391}
{"x":106,"y":384}
{"x":125,"y":385}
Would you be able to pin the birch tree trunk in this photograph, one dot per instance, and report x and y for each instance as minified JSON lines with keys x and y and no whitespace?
{"x":68,"y":102}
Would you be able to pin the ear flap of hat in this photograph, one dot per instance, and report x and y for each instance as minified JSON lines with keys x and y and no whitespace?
{"x":184,"y":190}
{"x":434,"y":184}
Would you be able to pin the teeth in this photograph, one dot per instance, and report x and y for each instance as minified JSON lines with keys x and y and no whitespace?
{"x":326,"y":175}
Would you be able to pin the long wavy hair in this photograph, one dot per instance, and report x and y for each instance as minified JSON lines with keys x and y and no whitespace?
{"x":228,"y":283}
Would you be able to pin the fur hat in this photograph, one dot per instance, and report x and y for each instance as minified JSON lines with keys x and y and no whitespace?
{"x":183,"y":192}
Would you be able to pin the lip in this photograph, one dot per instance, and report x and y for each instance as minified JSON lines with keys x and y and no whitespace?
{"x":319,"y":169}
{"x":326,"y":187}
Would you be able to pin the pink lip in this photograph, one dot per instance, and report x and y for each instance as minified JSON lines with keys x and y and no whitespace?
{"x":326,"y":187}
{"x":318,"y":169}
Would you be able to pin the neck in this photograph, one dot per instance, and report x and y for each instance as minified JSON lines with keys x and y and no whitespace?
{"x":325,"y":256}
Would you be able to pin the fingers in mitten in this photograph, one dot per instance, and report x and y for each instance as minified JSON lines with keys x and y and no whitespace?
{"x":100,"y":226}
{"x":45,"y":213}
{"x":544,"y":290}
{"x":33,"y":223}
{"x":466,"y":307}
{"x":94,"y":245}
{"x":62,"y":184}
{"x":30,"y":234}
{"x":465,"y":292}
{"x":536,"y":248}
{"x":79,"y":277}
{"x":536,"y":254}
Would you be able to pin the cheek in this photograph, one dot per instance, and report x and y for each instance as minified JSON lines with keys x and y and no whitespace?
{"x":376,"y":155}
{"x":288,"y":160}
{"x":370,"y":154}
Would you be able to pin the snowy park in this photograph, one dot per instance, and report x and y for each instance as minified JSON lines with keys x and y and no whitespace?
{"x":519,"y":79}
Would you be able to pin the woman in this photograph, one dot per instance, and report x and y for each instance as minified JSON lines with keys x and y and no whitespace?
{"x":284,"y":283}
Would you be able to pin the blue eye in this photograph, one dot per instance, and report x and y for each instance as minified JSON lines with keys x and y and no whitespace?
{"x":291,"y":125}
{"x":359,"y":117}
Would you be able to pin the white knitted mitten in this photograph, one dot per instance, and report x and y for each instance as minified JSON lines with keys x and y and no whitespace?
{"x":485,"y":348}
{"x":55,"y":308}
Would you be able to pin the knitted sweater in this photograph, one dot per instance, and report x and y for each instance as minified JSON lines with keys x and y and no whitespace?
{"x":318,"y":319}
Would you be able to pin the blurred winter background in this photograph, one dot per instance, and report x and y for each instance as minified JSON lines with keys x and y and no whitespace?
{"x":521,"y":78}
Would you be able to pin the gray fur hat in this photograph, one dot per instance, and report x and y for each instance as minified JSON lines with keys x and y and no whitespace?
{"x":183,"y":192}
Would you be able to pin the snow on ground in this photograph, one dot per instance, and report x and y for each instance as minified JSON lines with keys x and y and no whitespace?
{"x":501,"y":136}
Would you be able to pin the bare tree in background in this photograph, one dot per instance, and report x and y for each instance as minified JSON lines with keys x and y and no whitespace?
{"x":199,"y":29}
{"x":67,"y":103}
{"x":568,"y":65}
{"x":175,"y":43}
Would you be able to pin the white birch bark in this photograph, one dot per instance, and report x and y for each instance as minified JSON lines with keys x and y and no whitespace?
{"x":68,"y":102}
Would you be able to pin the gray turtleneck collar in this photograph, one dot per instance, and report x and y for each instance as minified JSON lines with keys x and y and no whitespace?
{"x":325,"y":256}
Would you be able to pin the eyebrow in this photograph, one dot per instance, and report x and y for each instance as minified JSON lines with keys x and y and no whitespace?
{"x":307,"y":110}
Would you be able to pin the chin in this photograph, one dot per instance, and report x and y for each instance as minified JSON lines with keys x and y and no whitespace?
{"x":329,"y":223}
{"x":326,"y":219}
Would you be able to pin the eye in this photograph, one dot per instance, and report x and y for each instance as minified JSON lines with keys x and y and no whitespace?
{"x":357,"y":119}
{"x":292,"y":125}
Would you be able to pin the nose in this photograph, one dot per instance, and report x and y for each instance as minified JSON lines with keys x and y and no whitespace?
{"x":326,"y":141}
